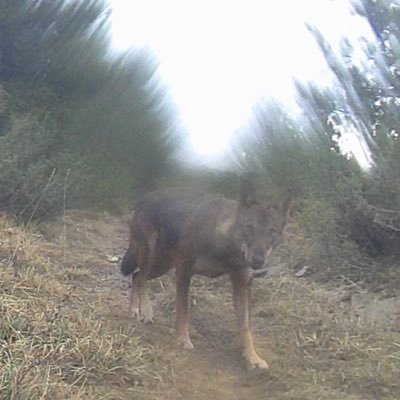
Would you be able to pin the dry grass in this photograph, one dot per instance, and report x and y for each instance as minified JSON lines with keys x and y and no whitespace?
{"x":56,"y":342}
{"x":64,"y":332}
{"x":327,"y":352}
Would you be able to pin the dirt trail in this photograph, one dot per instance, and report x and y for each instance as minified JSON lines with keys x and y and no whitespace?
{"x":316,"y":346}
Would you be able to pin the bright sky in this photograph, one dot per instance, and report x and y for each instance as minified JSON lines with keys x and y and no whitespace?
{"x":218,"y":57}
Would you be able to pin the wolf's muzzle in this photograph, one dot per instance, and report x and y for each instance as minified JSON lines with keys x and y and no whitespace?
{"x":258,"y":260}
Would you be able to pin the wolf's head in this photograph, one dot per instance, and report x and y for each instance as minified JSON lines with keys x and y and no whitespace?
{"x":258,"y":227}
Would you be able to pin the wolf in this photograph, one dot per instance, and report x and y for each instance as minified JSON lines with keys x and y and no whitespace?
{"x":208,"y":235}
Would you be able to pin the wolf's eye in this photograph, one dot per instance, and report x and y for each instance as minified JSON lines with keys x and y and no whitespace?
{"x":248,"y":233}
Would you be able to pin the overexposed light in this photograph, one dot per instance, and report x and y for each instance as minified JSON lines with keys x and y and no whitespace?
{"x":219,"y":57}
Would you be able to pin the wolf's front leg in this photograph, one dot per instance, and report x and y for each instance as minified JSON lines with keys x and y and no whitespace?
{"x":146,"y":313}
{"x":241,"y":300}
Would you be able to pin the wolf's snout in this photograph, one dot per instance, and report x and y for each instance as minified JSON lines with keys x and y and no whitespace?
{"x":258,"y":260}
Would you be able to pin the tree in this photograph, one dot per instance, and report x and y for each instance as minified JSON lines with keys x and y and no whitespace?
{"x":365,"y":99}
{"x":49,"y":40}
{"x":104,"y":117}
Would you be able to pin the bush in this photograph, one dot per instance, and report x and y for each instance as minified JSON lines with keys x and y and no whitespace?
{"x":34,"y":174}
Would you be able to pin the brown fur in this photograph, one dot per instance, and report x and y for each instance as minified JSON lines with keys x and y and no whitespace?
{"x":207,"y":235}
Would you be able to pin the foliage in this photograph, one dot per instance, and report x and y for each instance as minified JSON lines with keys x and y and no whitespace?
{"x":364,"y":99}
{"x":34,"y":178}
{"x":87,"y":109}
{"x":300,"y":160}
{"x":126,"y":130}
{"x":53,"y":41}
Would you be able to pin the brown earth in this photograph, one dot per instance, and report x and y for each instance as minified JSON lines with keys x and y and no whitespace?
{"x":63,"y":283}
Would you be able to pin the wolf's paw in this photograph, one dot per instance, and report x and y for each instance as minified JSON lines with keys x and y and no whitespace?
{"x":134,"y":312}
{"x":146,"y":315}
{"x":256,"y":362}
{"x":146,"y":319}
{"x":185,"y":343}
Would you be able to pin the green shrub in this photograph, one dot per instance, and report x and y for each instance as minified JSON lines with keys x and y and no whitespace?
{"x":35,"y":174}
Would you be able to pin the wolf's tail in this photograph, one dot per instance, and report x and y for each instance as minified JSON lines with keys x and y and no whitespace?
{"x":128,"y":263}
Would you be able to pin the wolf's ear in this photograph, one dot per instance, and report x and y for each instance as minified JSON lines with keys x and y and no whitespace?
{"x":247,"y":193}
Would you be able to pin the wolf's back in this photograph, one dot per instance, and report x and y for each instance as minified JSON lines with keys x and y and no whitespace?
{"x":164,"y":211}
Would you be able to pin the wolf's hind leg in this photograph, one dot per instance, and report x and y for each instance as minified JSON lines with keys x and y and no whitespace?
{"x":146,"y":313}
{"x":183,"y":278}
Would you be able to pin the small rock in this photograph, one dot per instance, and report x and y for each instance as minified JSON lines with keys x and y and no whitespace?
{"x":112,"y":259}
{"x":301,"y":272}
